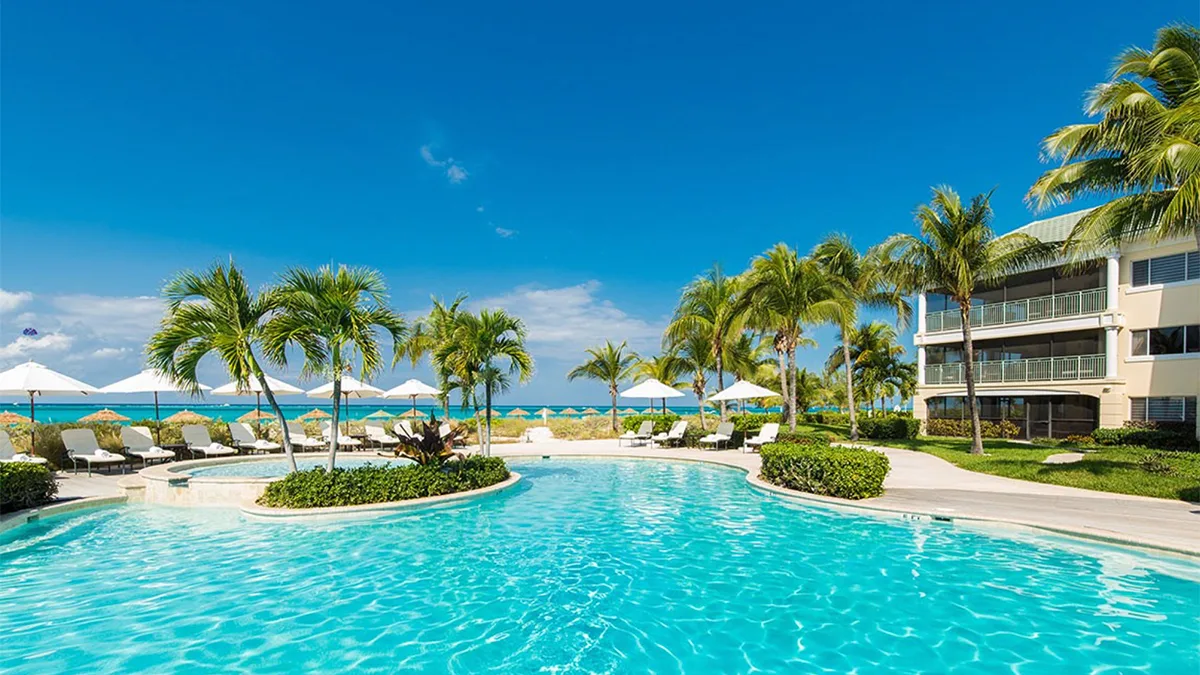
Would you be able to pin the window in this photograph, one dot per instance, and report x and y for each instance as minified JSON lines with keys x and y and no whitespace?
{"x":1170,"y":340}
{"x":1163,"y":409}
{"x":1167,"y":269}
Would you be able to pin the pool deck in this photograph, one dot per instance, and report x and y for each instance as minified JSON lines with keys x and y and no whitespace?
{"x":919,"y":485}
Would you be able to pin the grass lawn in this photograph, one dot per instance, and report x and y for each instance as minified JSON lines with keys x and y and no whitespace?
{"x":1107,"y":469}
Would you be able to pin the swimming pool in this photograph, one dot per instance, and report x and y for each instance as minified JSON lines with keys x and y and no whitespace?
{"x":619,"y":566}
{"x":275,"y":467}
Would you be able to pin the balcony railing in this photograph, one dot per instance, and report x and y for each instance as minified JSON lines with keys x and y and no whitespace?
{"x":1086,"y":367}
{"x":1062,"y":305}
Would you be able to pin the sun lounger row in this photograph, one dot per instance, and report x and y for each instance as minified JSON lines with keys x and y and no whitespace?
{"x":721,"y":437}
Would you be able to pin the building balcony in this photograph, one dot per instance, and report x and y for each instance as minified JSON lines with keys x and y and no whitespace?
{"x":1059,"y":306}
{"x":1084,"y":367}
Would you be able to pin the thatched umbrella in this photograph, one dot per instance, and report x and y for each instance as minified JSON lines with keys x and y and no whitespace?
{"x":104,"y":415}
{"x":590,"y":411}
{"x":568,"y":411}
{"x":379,"y":415}
{"x":187,"y":416}
{"x":412,"y":413}
{"x":255,"y":415}
{"x":628,"y":411}
{"x":315,"y":414}
{"x":648,"y":411}
{"x":518,"y":412}
{"x":12,"y":418}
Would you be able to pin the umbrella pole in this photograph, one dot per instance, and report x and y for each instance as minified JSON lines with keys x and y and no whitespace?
{"x":32,"y":424}
{"x":157,"y":422}
{"x":258,"y":412}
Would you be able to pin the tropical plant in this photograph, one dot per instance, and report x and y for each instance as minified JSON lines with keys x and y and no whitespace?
{"x":696,"y":355}
{"x":809,"y":389}
{"x":216,"y":312}
{"x":856,"y":281}
{"x":480,"y":346}
{"x":1144,"y":148}
{"x":610,"y":364}
{"x":667,"y":368}
{"x":429,"y":447}
{"x":708,"y":307}
{"x":879,"y":370}
{"x":957,"y":252}
{"x":334,"y":317}
{"x":430,"y":332}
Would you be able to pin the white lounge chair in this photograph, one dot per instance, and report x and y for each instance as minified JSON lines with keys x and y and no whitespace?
{"x":82,"y":447}
{"x":302,"y":440}
{"x":243,"y":437}
{"x":9,"y":454}
{"x":403,"y":429}
{"x":139,"y":443}
{"x":723,"y":434}
{"x":377,"y":435}
{"x":672,"y":437}
{"x":766,"y":434}
{"x":343,"y":439}
{"x":200,"y":443}
{"x":644,"y":432}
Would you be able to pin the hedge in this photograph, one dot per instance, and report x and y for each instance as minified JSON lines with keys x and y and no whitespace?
{"x":889,"y":427}
{"x":752,"y":422}
{"x":378,"y":484}
{"x":24,"y":485}
{"x":1154,"y":438}
{"x":804,"y":438}
{"x":849,"y":473}
{"x":662,"y":423}
{"x":962,"y":428}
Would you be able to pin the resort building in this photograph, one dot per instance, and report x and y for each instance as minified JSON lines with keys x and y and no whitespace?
{"x":1061,"y":352}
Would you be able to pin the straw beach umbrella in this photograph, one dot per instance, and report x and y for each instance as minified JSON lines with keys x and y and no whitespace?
{"x":545,"y":413}
{"x":187,"y":417}
{"x":12,"y":418}
{"x":648,"y":411}
{"x":34,"y":379}
{"x":254,"y":416}
{"x":412,"y":413}
{"x":628,"y":411}
{"x":590,"y":411}
{"x":518,"y":412}
{"x":146,"y":382}
{"x":104,"y":415}
{"x":568,"y":412}
{"x":315,"y":414}
{"x":379,"y":415}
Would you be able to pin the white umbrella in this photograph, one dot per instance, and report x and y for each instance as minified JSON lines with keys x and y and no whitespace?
{"x":34,"y":379}
{"x":652,"y":389}
{"x":278,"y":387}
{"x":351,"y":388}
{"x":740,"y":391}
{"x":412,"y":389}
{"x":147,"y":381}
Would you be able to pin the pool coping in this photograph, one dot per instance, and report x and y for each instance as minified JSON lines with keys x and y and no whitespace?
{"x":11,"y":521}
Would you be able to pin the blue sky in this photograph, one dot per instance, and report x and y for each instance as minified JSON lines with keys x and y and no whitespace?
{"x":576,"y":164}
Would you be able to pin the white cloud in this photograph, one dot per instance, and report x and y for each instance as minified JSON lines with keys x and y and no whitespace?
{"x":25,"y":347}
{"x":109,"y":317}
{"x":110,"y":352}
{"x":10,"y":300}
{"x":427,"y":155}
{"x":455,"y":172}
{"x":479,"y":209}
{"x":505,"y":232}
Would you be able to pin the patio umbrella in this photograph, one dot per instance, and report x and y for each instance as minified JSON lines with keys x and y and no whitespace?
{"x":412,"y":413}
{"x":145,"y":382}
{"x":590,"y":411}
{"x":278,"y":388}
{"x":351,"y":388}
{"x":518,"y":412}
{"x":34,"y":379}
{"x":255,"y":416}
{"x":648,"y":411}
{"x":104,"y":415}
{"x":314,"y":414}
{"x":379,"y":415}
{"x":652,"y":389}
{"x":568,"y":412}
{"x":628,"y":411}
{"x":412,"y":389}
{"x":187,"y":416}
{"x":12,"y":418}
{"x":740,"y":391}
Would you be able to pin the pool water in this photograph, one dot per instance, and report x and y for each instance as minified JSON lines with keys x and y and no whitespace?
{"x":587,"y":566}
{"x":273,"y":468}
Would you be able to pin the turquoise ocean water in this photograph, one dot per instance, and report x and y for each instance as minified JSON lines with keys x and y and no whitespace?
{"x":587,"y":566}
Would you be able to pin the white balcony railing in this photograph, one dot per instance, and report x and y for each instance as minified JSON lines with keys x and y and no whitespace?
{"x":1062,"y":305}
{"x":1085,"y":367}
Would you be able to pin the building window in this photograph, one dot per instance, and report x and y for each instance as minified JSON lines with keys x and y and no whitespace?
{"x":1170,"y":340}
{"x":1163,"y":409}
{"x":1166,"y":269}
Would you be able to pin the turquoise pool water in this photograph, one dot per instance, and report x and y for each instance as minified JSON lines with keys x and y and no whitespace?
{"x":274,"y":467}
{"x":586,"y":567}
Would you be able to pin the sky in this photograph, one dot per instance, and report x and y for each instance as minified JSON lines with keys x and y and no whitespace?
{"x":574,"y":164}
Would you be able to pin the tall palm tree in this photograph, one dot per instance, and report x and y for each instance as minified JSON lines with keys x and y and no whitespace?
{"x":1144,"y":148}
{"x":428,"y":333}
{"x":857,"y":281}
{"x":479,"y":344}
{"x":957,"y":252}
{"x":216,"y":312}
{"x":874,"y":355}
{"x":335,"y":317}
{"x":809,"y":389}
{"x":708,"y":307}
{"x":667,"y":368}
{"x":610,"y":364}
{"x":697,"y":357}
{"x":782,"y":293}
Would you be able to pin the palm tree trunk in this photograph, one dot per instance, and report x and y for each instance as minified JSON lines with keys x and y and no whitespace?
{"x":612,"y":391}
{"x":283,"y":429}
{"x":721,"y":379}
{"x":487,"y":403}
{"x":333,"y":426}
{"x":849,"y":384}
{"x":699,"y":391}
{"x":792,"y":386}
{"x":969,"y":375}
{"x":783,"y":389}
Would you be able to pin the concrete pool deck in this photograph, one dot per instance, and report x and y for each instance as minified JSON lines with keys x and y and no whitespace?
{"x":919,"y":484}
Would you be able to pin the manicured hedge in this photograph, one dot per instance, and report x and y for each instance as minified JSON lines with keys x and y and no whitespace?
{"x":24,"y":485}
{"x":662,"y":423}
{"x":889,"y":427}
{"x":375,"y":484}
{"x":750,"y":423}
{"x":1158,"y":439}
{"x":849,"y":473}
{"x":804,"y":438}
{"x":962,"y":428}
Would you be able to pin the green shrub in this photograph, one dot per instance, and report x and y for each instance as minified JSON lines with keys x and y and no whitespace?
{"x":833,"y":419}
{"x":24,"y":485}
{"x":1154,"y":438}
{"x":750,"y":423}
{"x":889,"y":427}
{"x":662,"y":423}
{"x":849,"y":473}
{"x":819,"y":439}
{"x":962,"y":428}
{"x":374,"y":484}
{"x":49,"y":436}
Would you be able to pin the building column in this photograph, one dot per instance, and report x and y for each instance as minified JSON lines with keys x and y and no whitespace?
{"x":921,"y":313}
{"x":1112,"y":277}
{"x":921,"y":366}
{"x":1110,"y":352}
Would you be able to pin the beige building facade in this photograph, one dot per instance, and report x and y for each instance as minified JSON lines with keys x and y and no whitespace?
{"x":1061,"y":352}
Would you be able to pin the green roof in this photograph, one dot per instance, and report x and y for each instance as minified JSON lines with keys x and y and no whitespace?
{"x":1054,"y":229}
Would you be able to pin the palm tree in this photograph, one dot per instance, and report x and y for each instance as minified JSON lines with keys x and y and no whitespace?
{"x":708,"y":307}
{"x":428,"y":333}
{"x":696,"y":355}
{"x":609,"y":364}
{"x":667,"y":368}
{"x":216,"y":312}
{"x":809,"y":388}
{"x":956,"y":253}
{"x":478,"y":345}
{"x":856,"y":281}
{"x":334,"y":316}
{"x":875,"y":356}
{"x":1145,"y":148}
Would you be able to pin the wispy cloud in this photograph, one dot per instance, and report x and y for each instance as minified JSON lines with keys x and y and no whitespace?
{"x":504,"y":232}
{"x":25,"y":347}
{"x":454,"y":170}
{"x":479,"y":209}
{"x":11,"y":300}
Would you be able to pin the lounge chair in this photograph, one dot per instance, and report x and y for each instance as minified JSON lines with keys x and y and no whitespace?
{"x":243,"y":437}
{"x":200,"y":443}
{"x":9,"y":454}
{"x":343,"y":439}
{"x":672,"y":437}
{"x":644,"y":432}
{"x":139,"y":443}
{"x":377,"y":435}
{"x":403,"y":429}
{"x":302,"y":440}
{"x":766,"y":434}
{"x":82,"y":447}
{"x":723,"y":434}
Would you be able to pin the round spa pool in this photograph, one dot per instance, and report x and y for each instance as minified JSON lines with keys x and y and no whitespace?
{"x":587,"y":566}
{"x":275,"y":467}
